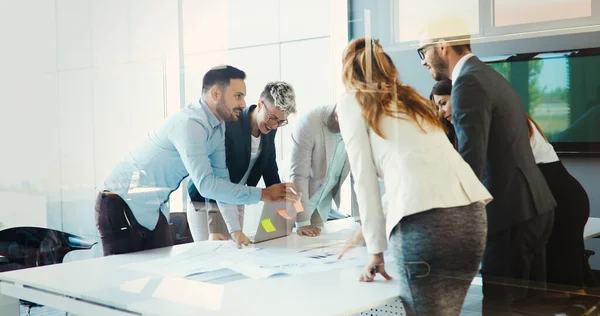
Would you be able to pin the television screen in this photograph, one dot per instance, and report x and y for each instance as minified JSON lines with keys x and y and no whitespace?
{"x":561,"y":91}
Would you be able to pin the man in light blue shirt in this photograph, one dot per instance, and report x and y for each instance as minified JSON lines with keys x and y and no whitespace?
{"x":132,"y":211}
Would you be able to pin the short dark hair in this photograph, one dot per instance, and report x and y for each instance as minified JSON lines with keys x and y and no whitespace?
{"x":221,"y":76}
{"x":462,"y":48}
{"x":459,"y":44}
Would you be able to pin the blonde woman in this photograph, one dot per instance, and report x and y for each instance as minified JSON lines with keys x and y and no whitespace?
{"x":435,"y":213}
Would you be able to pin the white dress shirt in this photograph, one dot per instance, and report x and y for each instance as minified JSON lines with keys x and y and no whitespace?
{"x":543,"y":152}
{"x":459,"y":65}
{"x":421,"y":171}
{"x":255,"y":149}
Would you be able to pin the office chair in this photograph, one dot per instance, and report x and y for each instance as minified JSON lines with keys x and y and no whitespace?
{"x":27,"y":247}
{"x":180,"y":230}
{"x":590,"y":278}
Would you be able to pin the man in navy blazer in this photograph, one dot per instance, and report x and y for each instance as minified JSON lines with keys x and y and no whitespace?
{"x":250,"y":155}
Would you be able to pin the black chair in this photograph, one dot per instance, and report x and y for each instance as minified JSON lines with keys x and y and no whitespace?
{"x":589,"y":277}
{"x":180,"y":230}
{"x":28,"y":247}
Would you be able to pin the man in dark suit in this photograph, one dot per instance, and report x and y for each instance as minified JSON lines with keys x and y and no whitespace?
{"x":492,"y":134}
{"x":250,"y":155}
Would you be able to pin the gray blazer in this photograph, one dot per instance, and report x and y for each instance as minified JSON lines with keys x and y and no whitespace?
{"x":312,"y":148}
{"x":491,"y":127}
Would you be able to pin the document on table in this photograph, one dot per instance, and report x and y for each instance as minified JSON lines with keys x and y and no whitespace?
{"x":316,"y":258}
{"x":253,"y":262}
{"x":203,"y":257}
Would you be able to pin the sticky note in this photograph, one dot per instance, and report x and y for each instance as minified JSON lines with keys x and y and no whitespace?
{"x":283,"y":213}
{"x":298,"y":206}
{"x":267,"y":225}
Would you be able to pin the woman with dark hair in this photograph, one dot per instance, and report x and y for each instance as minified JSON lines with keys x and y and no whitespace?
{"x":440,"y":97}
{"x":565,"y":252}
{"x":434,"y":209}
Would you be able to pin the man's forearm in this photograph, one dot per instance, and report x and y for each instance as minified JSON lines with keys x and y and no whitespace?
{"x":230,"y":215}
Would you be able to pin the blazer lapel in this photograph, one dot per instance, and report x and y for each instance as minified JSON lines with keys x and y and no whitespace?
{"x":266,"y":141}
{"x":246,"y":133}
{"x":469,"y":64}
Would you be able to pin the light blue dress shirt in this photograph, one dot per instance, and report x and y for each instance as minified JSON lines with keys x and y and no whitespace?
{"x":230,"y":212}
{"x":191,"y":142}
{"x":322,"y":199}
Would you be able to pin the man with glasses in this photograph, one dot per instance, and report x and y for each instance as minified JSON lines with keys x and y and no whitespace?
{"x":250,"y":152}
{"x":491,"y":129}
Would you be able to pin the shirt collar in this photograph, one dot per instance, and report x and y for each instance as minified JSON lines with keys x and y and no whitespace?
{"x":212,"y":118}
{"x":459,"y":65}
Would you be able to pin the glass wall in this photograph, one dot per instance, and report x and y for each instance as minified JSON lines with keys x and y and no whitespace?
{"x":88,"y":79}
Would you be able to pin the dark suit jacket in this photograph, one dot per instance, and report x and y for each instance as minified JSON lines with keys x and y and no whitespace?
{"x":237,"y":151}
{"x":491,"y":128}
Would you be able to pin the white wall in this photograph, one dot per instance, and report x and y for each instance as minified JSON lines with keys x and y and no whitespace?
{"x":83,"y":80}
{"x":289,"y":40}
{"x":86,"y":79}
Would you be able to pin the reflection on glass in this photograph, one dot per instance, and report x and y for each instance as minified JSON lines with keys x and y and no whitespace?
{"x":512,"y":12}
{"x":414,"y":15}
{"x":134,"y":286}
{"x":193,"y":293}
{"x":560,"y":91}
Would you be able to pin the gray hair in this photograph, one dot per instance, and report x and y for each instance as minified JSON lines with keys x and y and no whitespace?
{"x":281,"y":95}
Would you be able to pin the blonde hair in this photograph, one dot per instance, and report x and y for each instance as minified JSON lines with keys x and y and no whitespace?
{"x":370,"y":72}
{"x":281,"y":95}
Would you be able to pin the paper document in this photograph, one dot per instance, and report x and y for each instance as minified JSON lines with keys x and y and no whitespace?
{"x":254,"y":262}
{"x":203,"y":257}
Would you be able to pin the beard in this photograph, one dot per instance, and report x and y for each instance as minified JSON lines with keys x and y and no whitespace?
{"x":225,"y":113}
{"x":439,"y":67}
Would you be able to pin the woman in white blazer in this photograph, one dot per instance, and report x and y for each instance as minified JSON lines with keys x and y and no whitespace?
{"x":435,"y":212}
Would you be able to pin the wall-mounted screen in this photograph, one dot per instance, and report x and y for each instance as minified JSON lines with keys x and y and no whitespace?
{"x":561,"y":91}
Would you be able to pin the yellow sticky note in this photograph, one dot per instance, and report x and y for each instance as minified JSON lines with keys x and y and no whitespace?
{"x":283,"y":213}
{"x":267,"y":225}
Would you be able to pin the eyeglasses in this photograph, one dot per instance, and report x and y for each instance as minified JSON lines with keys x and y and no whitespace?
{"x":421,"y":51}
{"x":273,"y":119}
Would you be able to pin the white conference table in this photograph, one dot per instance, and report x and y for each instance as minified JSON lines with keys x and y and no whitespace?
{"x":102,"y":286}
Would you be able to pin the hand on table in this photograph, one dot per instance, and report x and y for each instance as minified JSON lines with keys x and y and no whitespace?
{"x":377,"y":265}
{"x":310,"y":231}
{"x":355,"y":240}
{"x":240,"y":238}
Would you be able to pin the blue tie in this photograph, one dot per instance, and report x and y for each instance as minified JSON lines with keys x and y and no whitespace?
{"x":323,"y":198}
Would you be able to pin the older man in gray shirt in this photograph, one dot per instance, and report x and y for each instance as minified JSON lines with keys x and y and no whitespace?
{"x":319,"y":166}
